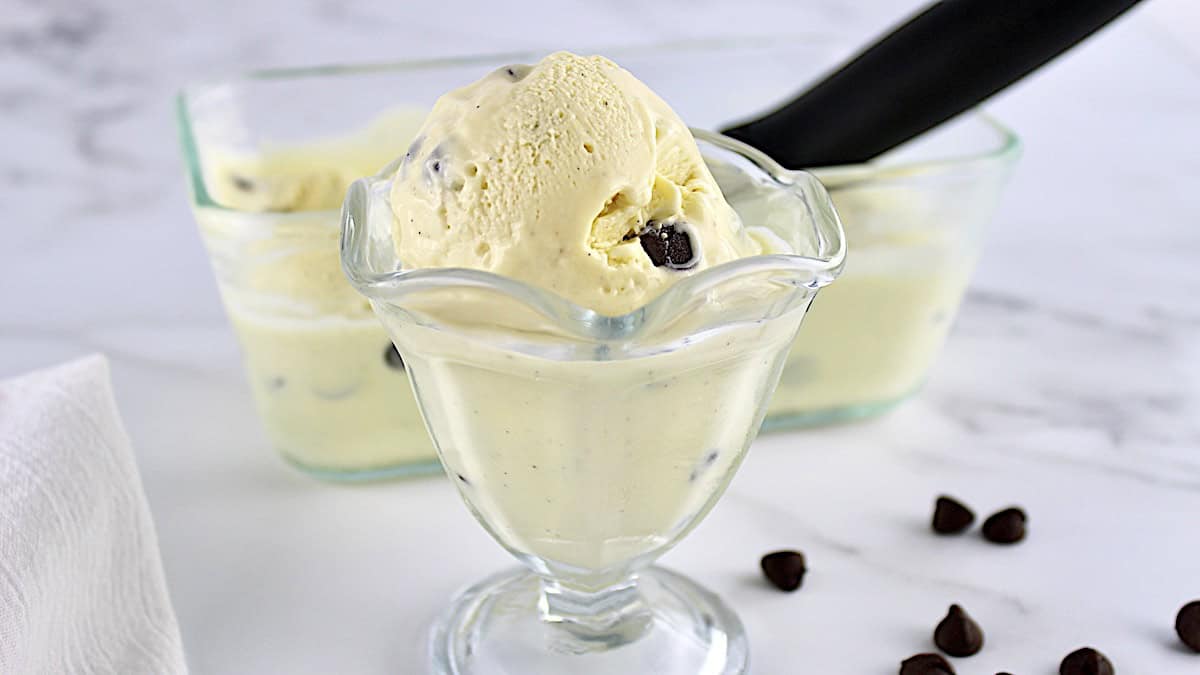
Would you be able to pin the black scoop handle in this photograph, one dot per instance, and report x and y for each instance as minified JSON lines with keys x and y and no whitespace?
{"x":947,"y":59}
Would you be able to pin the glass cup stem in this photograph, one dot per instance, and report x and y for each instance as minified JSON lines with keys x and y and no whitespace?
{"x":596,"y":619}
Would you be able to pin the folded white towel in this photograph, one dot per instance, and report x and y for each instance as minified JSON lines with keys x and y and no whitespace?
{"x":81,"y":581}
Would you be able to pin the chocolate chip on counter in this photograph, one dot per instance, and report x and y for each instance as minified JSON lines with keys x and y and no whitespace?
{"x":1005,"y":527}
{"x":391,"y":356}
{"x":1086,"y":661}
{"x":669,"y":245}
{"x":958,"y":634}
{"x":1187,"y":625}
{"x":784,"y":569}
{"x":926,"y":664}
{"x":951,"y":516}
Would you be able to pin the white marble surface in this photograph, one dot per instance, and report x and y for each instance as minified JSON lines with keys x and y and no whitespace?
{"x":1071,"y":384}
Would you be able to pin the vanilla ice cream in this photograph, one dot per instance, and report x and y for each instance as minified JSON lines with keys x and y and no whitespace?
{"x":312,"y":176}
{"x":570,"y":175}
{"x":870,"y":340}
{"x":331,"y":389}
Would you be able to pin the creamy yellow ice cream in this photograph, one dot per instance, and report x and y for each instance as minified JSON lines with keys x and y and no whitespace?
{"x":570,"y":175}
{"x":588,"y":465}
{"x":871,"y":337}
{"x":331,"y":390}
{"x":306,"y":177}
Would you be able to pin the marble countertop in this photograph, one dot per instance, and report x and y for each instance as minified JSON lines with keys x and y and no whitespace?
{"x":1071,"y":383}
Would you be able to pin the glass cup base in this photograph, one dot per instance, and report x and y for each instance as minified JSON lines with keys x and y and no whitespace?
{"x":506,"y":625}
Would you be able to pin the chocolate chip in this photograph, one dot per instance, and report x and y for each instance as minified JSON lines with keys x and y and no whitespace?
{"x":242,"y":183}
{"x":517,"y":72}
{"x":1187,"y":624}
{"x":709,"y":460}
{"x":463,"y":479}
{"x":668,"y":244}
{"x":1005,"y":527}
{"x":926,"y":664}
{"x":958,"y":634}
{"x":951,"y":516}
{"x":784,"y":569}
{"x":391,"y":356}
{"x":434,"y":168}
{"x":1086,"y":661}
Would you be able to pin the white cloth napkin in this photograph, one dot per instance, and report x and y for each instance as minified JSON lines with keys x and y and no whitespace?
{"x":81,"y":581}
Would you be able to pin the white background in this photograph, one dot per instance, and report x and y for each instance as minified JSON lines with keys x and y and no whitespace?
{"x":1071,"y":384}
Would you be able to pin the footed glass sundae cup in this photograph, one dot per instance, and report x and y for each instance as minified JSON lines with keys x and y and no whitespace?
{"x":588,"y":445}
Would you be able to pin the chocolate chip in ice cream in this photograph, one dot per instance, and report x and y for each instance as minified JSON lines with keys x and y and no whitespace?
{"x":434,"y":169}
{"x":784,"y":569}
{"x":391,"y":356}
{"x":1187,"y":625}
{"x":951,"y":516}
{"x":242,"y":183}
{"x":668,"y":244}
{"x":958,"y":634}
{"x":517,"y":71}
{"x":699,"y":469}
{"x":413,"y":149}
{"x":1086,"y":661}
{"x":1005,"y":527}
{"x":926,"y":664}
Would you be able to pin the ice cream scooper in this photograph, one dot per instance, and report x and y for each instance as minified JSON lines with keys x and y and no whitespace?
{"x":947,"y":59}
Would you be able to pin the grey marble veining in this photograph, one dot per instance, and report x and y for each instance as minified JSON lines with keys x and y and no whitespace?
{"x":1070,"y":385}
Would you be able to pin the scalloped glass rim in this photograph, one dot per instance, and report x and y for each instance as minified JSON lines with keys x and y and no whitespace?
{"x":797,"y":270}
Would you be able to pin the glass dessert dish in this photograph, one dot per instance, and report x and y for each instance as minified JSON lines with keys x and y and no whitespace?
{"x":914,"y":221}
{"x":330,"y":388}
{"x":588,"y":445}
